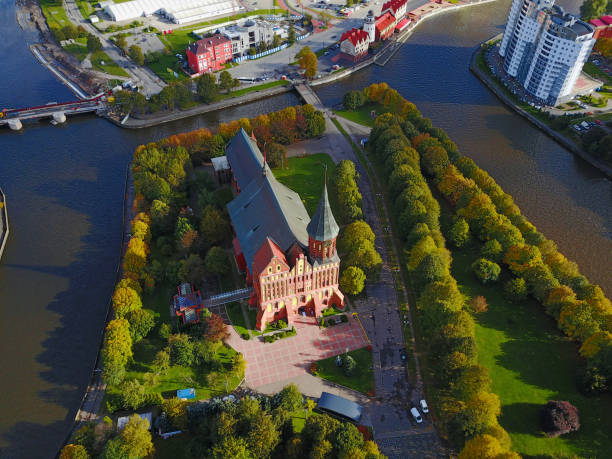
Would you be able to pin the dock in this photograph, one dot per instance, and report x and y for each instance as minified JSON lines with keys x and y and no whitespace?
{"x":4,"y":225}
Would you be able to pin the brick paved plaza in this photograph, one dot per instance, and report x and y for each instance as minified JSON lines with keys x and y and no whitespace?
{"x":291,"y":357}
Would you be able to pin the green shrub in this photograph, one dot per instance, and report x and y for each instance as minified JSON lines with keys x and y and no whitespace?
{"x":485,"y":270}
{"x":343,"y":318}
{"x":516,"y":289}
{"x":348,"y":365}
{"x":245,"y":336}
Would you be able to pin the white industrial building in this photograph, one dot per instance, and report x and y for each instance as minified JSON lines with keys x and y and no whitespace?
{"x":545,"y":48}
{"x":177,"y":11}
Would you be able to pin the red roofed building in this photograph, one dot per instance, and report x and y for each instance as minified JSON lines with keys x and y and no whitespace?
{"x":385,"y":25}
{"x":289,"y":258}
{"x":603,"y":27}
{"x":354,"y":44}
{"x":396,"y":7}
{"x":209,"y":54}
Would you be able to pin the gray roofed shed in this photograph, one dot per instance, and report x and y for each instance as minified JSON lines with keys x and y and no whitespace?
{"x":341,"y":406}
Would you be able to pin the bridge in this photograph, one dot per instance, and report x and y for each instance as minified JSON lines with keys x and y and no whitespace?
{"x":228,"y":297}
{"x":56,"y":111}
{"x":309,"y":96}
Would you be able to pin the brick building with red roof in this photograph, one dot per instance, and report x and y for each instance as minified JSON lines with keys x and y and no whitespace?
{"x":385,"y":25}
{"x":354,"y":44}
{"x":289,"y":258}
{"x":209,"y":54}
{"x":396,"y":7}
{"x":603,"y":27}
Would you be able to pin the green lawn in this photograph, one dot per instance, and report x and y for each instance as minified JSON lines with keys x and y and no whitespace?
{"x":109,"y":66}
{"x":363,"y":378}
{"x":54,"y":13}
{"x":165,"y":66}
{"x":362,"y":115}
{"x":234,"y":311}
{"x":85,"y":7}
{"x":259,"y":87}
{"x":78,"y":51}
{"x":596,"y":72}
{"x":531,"y":362}
{"x":305,"y":176}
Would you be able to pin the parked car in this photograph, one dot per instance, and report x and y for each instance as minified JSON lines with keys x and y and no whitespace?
{"x":424,"y":406}
{"x":403,"y":354}
{"x":416,"y":415}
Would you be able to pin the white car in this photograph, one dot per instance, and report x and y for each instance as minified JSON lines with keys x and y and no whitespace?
{"x":416,"y":415}
{"x":424,"y":407}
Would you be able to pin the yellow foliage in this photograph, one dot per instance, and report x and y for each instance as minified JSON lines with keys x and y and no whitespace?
{"x":481,"y":447}
{"x":594,"y":343}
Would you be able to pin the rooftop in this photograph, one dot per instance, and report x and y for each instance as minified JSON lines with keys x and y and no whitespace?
{"x":340,"y":405}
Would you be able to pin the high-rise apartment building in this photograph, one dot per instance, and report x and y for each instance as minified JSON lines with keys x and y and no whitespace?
{"x":545,"y":48}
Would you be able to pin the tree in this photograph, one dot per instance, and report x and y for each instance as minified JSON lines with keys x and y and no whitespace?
{"x":136,"y":55}
{"x":276,"y":154}
{"x":214,"y":227}
{"x":471,"y":381}
{"x":120,"y":41}
{"x":70,"y":31}
{"x":485,"y":270}
{"x":308,"y":61}
{"x":479,"y":304}
{"x":93,"y":43}
{"x":181,"y":349}
{"x":135,"y":438}
{"x":231,"y":448}
{"x":352,"y":100}
{"x":216,"y":329}
{"x":352,"y":280}
{"x":290,"y":398}
{"x":176,"y":410}
{"x":522,"y":257}
{"x":207,"y":88}
{"x":348,"y":365}
{"x":354,"y":233}
{"x":516,"y":289}
{"x":459,"y":233}
{"x":291,"y":35}
{"x":592,"y":9}
{"x":492,"y":250}
{"x":132,"y":394}
{"x":559,"y":417}
{"x":263,"y":436}
{"x":141,"y":322}
{"x":227,"y":82}
{"x":126,"y":300}
{"x":276,"y":41}
{"x":161,"y":362}
{"x":481,"y":411}
{"x":116,"y":350}
{"x":315,"y":124}
{"x":481,"y":447}
{"x":348,"y":438}
{"x":192,"y":270}
{"x":71,"y":451}
{"x":217,"y":262}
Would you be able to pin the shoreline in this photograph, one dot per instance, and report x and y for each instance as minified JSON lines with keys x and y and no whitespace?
{"x":4,"y":224}
{"x":558,"y":137}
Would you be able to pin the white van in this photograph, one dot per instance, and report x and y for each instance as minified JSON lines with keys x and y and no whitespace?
{"x":424,"y":407}
{"x":416,"y":415}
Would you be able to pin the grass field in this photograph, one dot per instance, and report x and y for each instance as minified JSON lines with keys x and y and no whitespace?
{"x":363,"y":378}
{"x":259,"y":87}
{"x":102,"y":62}
{"x":79,"y":50}
{"x":531,"y":362}
{"x":85,"y":7}
{"x":596,"y":72}
{"x":54,"y":13}
{"x":362,"y":115}
{"x":305,"y":176}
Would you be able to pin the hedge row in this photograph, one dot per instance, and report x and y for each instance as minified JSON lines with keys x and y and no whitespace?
{"x":468,"y":408}
{"x":347,"y":191}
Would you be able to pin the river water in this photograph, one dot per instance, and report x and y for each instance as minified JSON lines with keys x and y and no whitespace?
{"x":65,"y":189}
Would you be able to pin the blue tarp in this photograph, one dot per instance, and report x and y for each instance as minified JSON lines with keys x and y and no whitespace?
{"x":186,"y":393}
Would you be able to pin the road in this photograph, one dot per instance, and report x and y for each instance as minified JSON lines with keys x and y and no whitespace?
{"x":142,"y":76}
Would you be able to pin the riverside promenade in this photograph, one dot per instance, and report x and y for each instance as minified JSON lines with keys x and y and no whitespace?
{"x":564,"y":141}
{"x":4,"y":225}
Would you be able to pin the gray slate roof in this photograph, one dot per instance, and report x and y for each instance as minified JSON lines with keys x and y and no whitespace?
{"x":244,"y":158}
{"x":264,"y":207}
{"x":323,"y":226}
{"x":340,"y":405}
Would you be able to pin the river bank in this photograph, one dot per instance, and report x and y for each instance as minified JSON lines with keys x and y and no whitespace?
{"x":558,"y":137}
{"x":4,"y":224}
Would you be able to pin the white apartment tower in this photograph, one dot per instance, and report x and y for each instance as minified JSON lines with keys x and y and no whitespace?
{"x":545,"y":48}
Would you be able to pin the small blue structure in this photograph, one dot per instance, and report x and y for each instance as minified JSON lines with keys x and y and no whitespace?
{"x":185,"y":394}
{"x":340,"y":406}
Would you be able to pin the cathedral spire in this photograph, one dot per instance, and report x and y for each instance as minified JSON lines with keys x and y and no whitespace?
{"x":323,"y":226}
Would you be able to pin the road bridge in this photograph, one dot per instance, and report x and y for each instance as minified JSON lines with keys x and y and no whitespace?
{"x":56,"y":111}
